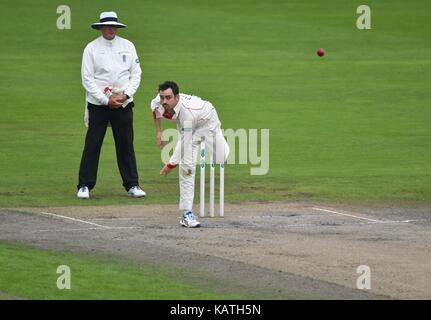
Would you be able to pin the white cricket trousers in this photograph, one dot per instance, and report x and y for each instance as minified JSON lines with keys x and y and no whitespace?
{"x":216,"y":146}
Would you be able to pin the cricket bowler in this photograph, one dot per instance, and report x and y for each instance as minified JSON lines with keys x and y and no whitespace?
{"x":196,"y":121}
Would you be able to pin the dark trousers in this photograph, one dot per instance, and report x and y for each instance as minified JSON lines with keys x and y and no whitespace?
{"x":121,"y":120}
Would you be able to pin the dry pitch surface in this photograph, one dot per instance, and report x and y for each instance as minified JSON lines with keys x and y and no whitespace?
{"x":275,"y":250}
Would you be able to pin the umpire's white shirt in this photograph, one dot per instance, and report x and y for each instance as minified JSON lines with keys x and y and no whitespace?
{"x":110,"y":63}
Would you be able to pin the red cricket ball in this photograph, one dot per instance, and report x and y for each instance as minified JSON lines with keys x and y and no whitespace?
{"x":320,"y":52}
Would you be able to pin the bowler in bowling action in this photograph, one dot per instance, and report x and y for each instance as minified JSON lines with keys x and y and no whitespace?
{"x":197,"y":121}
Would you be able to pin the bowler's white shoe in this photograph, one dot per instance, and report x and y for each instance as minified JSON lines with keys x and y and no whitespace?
{"x":136,"y":192}
{"x":188,"y":220}
{"x":83,"y":193}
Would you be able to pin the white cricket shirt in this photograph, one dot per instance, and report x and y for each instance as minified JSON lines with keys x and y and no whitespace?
{"x":110,"y":63}
{"x":190,"y":111}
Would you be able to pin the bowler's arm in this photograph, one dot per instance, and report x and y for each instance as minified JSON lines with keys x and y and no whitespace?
{"x":159,"y":132}
{"x":183,"y":152}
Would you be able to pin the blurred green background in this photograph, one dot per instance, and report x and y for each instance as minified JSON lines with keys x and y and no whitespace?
{"x":353,"y":126}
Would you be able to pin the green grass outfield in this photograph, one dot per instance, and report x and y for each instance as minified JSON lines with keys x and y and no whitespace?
{"x":31,"y":273}
{"x":352,"y":126}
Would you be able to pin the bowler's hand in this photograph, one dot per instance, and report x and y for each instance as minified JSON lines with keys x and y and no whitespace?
{"x":165,"y":170}
{"x":115,"y":102}
{"x":159,"y":140}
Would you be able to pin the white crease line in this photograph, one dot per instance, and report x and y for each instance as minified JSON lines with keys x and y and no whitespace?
{"x":400,"y":221}
{"x":76,"y":220}
{"x":358,"y":217}
{"x":63,"y":230}
{"x":390,"y":221}
{"x":113,"y":219}
{"x":343,"y":224}
{"x":85,"y":229}
{"x":348,"y":215}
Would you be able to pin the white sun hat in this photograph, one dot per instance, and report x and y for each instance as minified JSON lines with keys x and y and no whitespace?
{"x":108,"y":19}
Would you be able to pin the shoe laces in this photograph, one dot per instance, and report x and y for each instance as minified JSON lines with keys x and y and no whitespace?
{"x":189,"y":215}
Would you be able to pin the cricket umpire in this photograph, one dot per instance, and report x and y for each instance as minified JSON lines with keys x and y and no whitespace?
{"x":111,"y":75}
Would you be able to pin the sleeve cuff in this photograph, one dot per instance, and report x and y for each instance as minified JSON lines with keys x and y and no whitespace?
{"x":105,"y":101}
{"x":171,"y":166}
